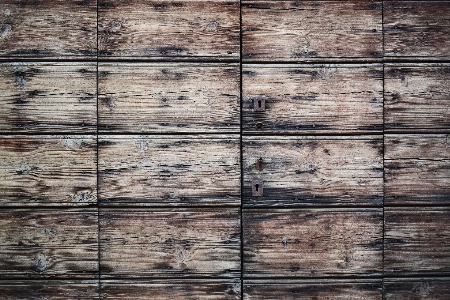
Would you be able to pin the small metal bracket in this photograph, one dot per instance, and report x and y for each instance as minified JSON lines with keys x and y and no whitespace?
{"x":257,"y":188}
{"x":259,"y":164}
{"x":259,"y":104}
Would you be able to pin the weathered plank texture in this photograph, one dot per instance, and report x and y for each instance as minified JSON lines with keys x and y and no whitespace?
{"x":417,"y":169}
{"x":169,"y":243}
{"x":48,"y":170}
{"x":307,"y":171}
{"x":167,"y":29}
{"x":417,"y":241}
{"x":49,"y":289}
{"x":48,"y":243}
{"x":48,"y":97}
{"x":313,"y":243}
{"x":198,"y":289}
{"x":417,"y":96}
{"x":326,"y":98}
{"x":417,"y":289}
{"x":48,"y":28}
{"x":169,"y":97}
{"x":308,"y":30}
{"x":418,"y":29}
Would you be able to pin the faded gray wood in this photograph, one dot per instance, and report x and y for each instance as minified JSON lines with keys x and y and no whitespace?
{"x":169,"y":243}
{"x":417,"y":288}
{"x":169,"y":97}
{"x":313,"y":243}
{"x":49,"y":289}
{"x":48,"y":170}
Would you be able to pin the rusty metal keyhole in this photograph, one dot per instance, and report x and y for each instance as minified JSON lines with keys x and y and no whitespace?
{"x":259,"y":105}
{"x":257,"y":188}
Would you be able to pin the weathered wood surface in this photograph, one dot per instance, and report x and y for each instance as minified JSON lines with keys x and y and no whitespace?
{"x":313,"y":243}
{"x":49,"y":289}
{"x":316,"y":99}
{"x":417,"y":96}
{"x":48,"y":97}
{"x":48,"y":28}
{"x":309,"y":30}
{"x":418,"y":29}
{"x":417,"y":288}
{"x":417,"y":169}
{"x":169,"y":97}
{"x":307,"y":171}
{"x":167,"y":29}
{"x":169,"y":243}
{"x":48,"y":170}
{"x":417,"y":241}
{"x":199,"y":289}
{"x":48,"y":243}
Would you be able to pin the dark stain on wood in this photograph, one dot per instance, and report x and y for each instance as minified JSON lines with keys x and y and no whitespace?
{"x":417,"y":288}
{"x":49,"y":289}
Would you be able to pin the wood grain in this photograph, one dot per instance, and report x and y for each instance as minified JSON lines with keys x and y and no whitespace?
{"x":48,"y":28}
{"x":313,"y":99}
{"x":417,"y":241}
{"x":311,"y":30}
{"x":48,"y":97}
{"x":167,"y":29}
{"x":48,"y":170}
{"x":48,"y":243}
{"x":169,"y":243}
{"x":417,"y":169}
{"x":417,"y":288}
{"x":169,"y":97}
{"x":49,"y":289}
{"x":313,"y":243}
{"x":308,"y":171}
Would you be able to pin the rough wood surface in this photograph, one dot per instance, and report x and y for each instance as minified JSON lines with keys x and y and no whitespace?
{"x":313,"y":243}
{"x":417,"y":96}
{"x":169,"y":97}
{"x":168,"y":29}
{"x":417,"y":169}
{"x":325,"y":98}
{"x":48,"y":28}
{"x":48,"y":170}
{"x":49,"y":289}
{"x":418,"y":29}
{"x":417,"y":241}
{"x":48,"y":243}
{"x":169,"y":243}
{"x":308,"y":30}
{"x":48,"y":97}
{"x":307,"y":171}
{"x":417,"y":288}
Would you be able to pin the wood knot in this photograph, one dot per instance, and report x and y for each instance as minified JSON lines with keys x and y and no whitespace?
{"x":41,"y":263}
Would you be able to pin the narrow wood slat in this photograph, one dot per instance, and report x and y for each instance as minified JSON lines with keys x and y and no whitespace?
{"x":313,"y":243}
{"x":48,"y":243}
{"x":308,"y":171}
{"x":417,"y":288}
{"x":313,"y":99}
{"x":169,"y":97}
{"x":48,"y":170}
{"x":49,"y":289}
{"x":169,"y":243}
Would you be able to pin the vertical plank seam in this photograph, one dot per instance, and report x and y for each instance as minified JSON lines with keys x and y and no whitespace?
{"x":98,"y":187}
{"x":384,"y":172}
{"x":241,"y":154}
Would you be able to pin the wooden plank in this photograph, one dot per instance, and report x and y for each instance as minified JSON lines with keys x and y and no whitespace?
{"x":49,"y":289}
{"x":48,"y":97}
{"x":417,"y":241}
{"x":48,"y":28}
{"x":48,"y":170}
{"x":170,"y":243}
{"x":169,"y":170}
{"x":169,"y":97}
{"x":308,"y":171}
{"x":48,"y":243}
{"x":311,"y":30}
{"x":418,"y":29}
{"x":311,"y":98}
{"x":313,"y":243}
{"x":417,"y":96}
{"x":417,"y":169}
{"x":166,"y":29}
{"x":417,"y":288}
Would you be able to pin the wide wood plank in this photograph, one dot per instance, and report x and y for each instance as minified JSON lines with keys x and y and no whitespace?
{"x":48,"y":97}
{"x":313,"y":99}
{"x":167,"y":29}
{"x":48,"y":28}
{"x":48,"y":170}
{"x":308,"y":171}
{"x":417,"y":241}
{"x":48,"y":243}
{"x":309,"y":30}
{"x":169,"y":97}
{"x":417,"y":169}
{"x":313,"y":243}
{"x":417,"y":288}
{"x":49,"y":289}
{"x":169,"y":243}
